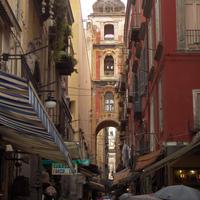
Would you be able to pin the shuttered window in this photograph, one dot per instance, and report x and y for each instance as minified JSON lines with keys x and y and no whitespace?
{"x":196,"y":108}
{"x":192,"y":23}
{"x":160,"y":104}
{"x":192,"y":14}
{"x":158,"y":21}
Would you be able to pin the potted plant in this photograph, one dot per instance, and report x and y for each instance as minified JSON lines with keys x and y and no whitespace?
{"x":65,"y":63}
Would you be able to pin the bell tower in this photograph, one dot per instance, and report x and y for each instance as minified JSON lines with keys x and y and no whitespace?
{"x":105,"y":30}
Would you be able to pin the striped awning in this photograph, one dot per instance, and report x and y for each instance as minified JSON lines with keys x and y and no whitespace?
{"x":25,"y":123}
{"x":146,"y":160}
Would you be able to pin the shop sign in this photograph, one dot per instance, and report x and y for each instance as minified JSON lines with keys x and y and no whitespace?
{"x":60,"y":169}
{"x":85,"y":162}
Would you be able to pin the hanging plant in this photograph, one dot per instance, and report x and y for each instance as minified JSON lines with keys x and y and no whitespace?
{"x":65,"y":63}
{"x":68,"y":30}
{"x":63,"y":30}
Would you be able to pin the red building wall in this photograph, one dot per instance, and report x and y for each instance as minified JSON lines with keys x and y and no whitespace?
{"x":180,"y":74}
{"x":168,"y":23}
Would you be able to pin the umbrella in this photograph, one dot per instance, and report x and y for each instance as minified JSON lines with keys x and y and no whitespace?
{"x":144,"y":197}
{"x":128,"y":196}
{"x":125,"y":196}
{"x":178,"y":192}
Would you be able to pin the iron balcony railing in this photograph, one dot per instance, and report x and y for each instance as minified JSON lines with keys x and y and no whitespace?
{"x":192,"y":38}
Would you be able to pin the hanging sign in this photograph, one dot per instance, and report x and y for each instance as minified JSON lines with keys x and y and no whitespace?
{"x":61,"y":169}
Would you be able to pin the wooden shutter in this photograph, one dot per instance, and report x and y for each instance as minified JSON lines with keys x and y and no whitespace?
{"x":148,"y":8}
{"x":142,"y":31}
{"x":197,"y":111}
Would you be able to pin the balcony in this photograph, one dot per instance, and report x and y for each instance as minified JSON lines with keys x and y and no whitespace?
{"x":192,"y":39}
{"x":44,"y":9}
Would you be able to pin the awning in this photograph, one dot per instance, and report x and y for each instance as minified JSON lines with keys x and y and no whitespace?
{"x":96,"y":186}
{"x":146,"y":160}
{"x":25,"y":123}
{"x":89,"y":171}
{"x":74,"y":150}
{"x":122,"y":177}
{"x":174,"y":156}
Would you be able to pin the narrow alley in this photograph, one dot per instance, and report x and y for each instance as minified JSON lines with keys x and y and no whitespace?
{"x":99,"y":99}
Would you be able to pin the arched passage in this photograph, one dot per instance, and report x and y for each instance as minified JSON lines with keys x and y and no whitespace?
{"x":107,"y":148}
{"x":106,"y":123}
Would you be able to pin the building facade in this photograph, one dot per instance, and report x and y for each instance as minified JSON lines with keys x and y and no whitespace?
{"x":36,"y":59}
{"x":79,"y":84}
{"x":105,"y":38}
{"x":163,"y":63}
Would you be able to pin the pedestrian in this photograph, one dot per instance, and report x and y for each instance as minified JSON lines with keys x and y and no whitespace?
{"x":99,"y":197}
{"x":49,"y":192}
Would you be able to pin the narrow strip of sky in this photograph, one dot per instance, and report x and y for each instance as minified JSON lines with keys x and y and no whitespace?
{"x":86,"y":6}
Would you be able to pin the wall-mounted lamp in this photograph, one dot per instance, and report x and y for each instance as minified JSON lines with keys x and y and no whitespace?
{"x":50,"y":102}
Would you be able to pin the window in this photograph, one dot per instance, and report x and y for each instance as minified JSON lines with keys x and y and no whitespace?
{"x":109,"y":102}
{"x":147,"y":7}
{"x":192,"y":13}
{"x":192,"y":23}
{"x":109,"y":66}
{"x":160,"y":104}
{"x":188,"y":24}
{"x":196,"y":108}
{"x":151,"y":44}
{"x":152,"y":123}
{"x":158,"y":21}
{"x":109,"y":32}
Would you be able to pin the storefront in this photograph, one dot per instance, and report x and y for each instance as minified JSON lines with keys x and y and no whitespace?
{"x":181,"y":167}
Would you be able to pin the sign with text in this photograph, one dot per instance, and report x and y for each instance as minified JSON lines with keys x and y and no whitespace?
{"x":60,"y":169}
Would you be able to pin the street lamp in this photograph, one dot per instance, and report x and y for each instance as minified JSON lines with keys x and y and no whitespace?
{"x":50,"y":102}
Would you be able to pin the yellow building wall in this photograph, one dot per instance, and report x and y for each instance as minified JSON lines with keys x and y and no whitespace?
{"x":79,"y":84}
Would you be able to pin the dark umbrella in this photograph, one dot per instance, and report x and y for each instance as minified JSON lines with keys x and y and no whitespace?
{"x":178,"y":192}
{"x":128,"y":196}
